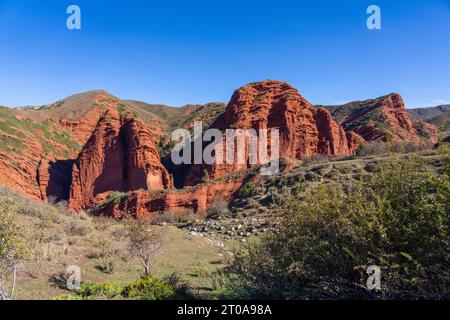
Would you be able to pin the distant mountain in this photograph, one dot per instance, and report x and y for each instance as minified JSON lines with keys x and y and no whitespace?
{"x":439,"y":116}
{"x":182,"y":117}
{"x":429,"y":113}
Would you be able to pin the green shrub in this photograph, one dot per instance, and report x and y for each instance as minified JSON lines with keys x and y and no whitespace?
{"x":398,"y":219}
{"x":149,"y":288}
{"x":106,"y":289}
{"x":247,"y":190}
{"x":14,"y":248}
{"x":116,"y":197}
{"x":106,"y":255}
{"x":182,"y":288}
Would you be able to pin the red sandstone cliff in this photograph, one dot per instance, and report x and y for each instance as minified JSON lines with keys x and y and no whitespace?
{"x":383,"y":119}
{"x":53,"y":178}
{"x":141,"y":203}
{"x":24,"y":142}
{"x":304,"y":129}
{"x":119,"y":156}
{"x":120,"y":152}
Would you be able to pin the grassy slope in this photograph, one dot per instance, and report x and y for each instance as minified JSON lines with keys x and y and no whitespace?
{"x":42,"y":123}
{"x":439,"y":116}
{"x":181,"y":117}
{"x":55,"y":248}
{"x":429,"y":113}
{"x":374,"y":116}
{"x":17,"y":131}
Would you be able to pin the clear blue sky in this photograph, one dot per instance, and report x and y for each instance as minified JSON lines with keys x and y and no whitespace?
{"x":179,"y":52}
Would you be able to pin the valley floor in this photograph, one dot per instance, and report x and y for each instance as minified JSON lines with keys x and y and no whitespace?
{"x":192,"y":258}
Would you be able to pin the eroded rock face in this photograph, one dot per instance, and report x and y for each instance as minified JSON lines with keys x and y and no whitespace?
{"x":100,"y":164}
{"x":120,"y":153}
{"x":304,"y":129}
{"x":426,"y":131}
{"x":332,"y":138}
{"x":119,"y":156}
{"x":384,"y":119}
{"x":53,"y":178}
{"x":354,"y":140}
{"x":81,"y":113}
{"x":82,"y":129}
{"x":143,"y":203}
{"x":18,"y":172}
{"x":143,"y":167}
{"x":19,"y":168}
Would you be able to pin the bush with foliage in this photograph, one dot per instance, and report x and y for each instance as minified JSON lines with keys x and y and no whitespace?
{"x":247,"y":190}
{"x":13,"y":248}
{"x":107,"y":290}
{"x":116,"y":197}
{"x":105,"y":254}
{"x":182,"y":288}
{"x":149,"y":288}
{"x":398,"y":218}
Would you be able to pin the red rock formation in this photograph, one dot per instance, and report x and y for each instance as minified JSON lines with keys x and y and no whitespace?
{"x":143,"y":168}
{"x":23,"y":146}
{"x":99,"y":166}
{"x":18,"y":172}
{"x":304,"y":129}
{"x":119,"y":156}
{"x":120,"y":153}
{"x":354,"y":141}
{"x":384,"y":119}
{"x":19,"y":165}
{"x":332,"y":138}
{"x":143,"y":203}
{"x":426,"y":131}
{"x":82,"y":128}
{"x":53,"y":178}
{"x":80,"y":113}
{"x":43,"y":178}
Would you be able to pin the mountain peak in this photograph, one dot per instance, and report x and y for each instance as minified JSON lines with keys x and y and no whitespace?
{"x":381,"y":119}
